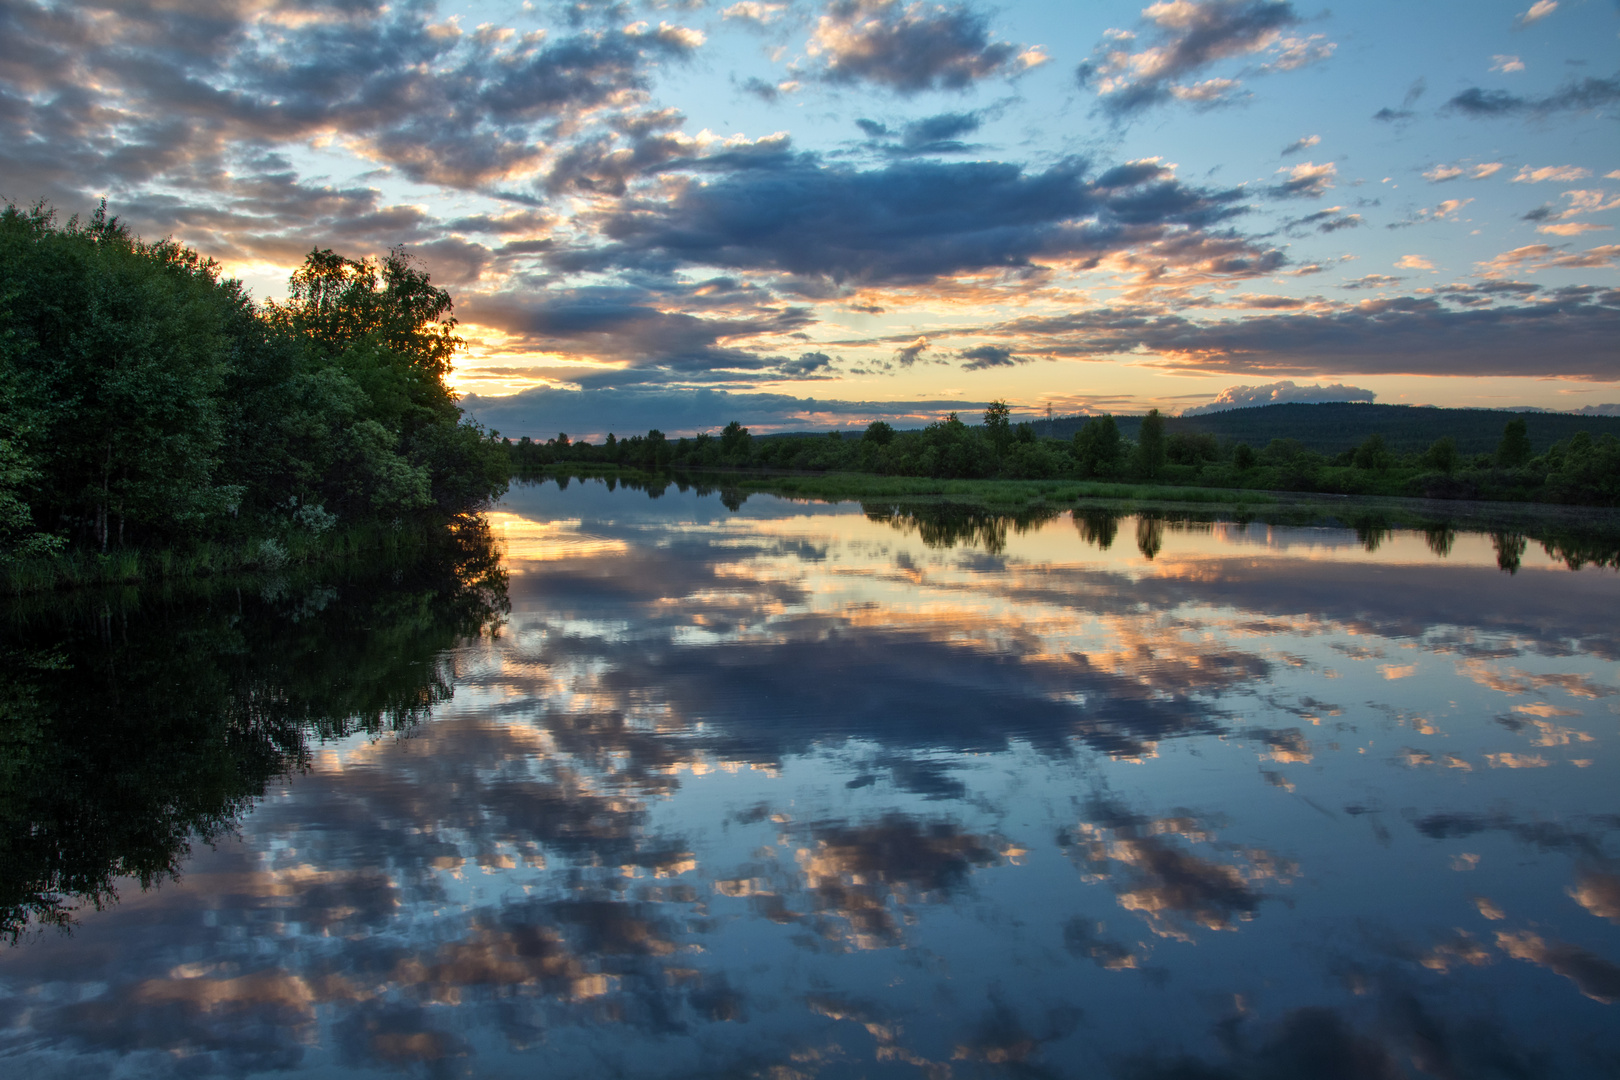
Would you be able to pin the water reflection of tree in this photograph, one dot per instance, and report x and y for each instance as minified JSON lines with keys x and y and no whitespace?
{"x":1440,"y":537}
{"x":1149,"y":535}
{"x":1509,"y":549}
{"x":131,"y":726}
{"x":1097,"y":527}
{"x":948,"y":525}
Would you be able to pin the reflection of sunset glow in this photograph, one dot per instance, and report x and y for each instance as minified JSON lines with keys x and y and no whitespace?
{"x":532,"y":541}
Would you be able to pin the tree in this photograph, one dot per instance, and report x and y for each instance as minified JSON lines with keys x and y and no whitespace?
{"x":734,"y":443}
{"x":998,"y":425}
{"x":878,"y":433}
{"x":1150,"y":449}
{"x":1097,"y":447}
{"x":1371,"y":454}
{"x":1514,"y":449}
{"x":1442,"y":455}
{"x":1243,"y":456}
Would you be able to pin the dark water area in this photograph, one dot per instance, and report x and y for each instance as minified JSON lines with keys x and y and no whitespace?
{"x":700,"y":786}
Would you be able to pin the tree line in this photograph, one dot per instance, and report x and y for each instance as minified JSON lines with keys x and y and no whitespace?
{"x":147,"y":402}
{"x":1578,"y":470}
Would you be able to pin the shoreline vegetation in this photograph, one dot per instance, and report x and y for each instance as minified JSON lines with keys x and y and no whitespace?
{"x":1100,"y":461}
{"x":156,"y":423}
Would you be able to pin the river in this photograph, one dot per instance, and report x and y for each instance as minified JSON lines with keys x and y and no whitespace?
{"x":693,"y":786}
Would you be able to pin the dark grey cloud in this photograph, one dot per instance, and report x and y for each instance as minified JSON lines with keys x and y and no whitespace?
{"x":939,"y":134}
{"x":1418,"y":88}
{"x":909,"y":221}
{"x":810,"y":363}
{"x":1330,"y":220}
{"x":607,"y":163}
{"x":1399,"y":335}
{"x":1182,"y":41}
{"x":1581,"y":95}
{"x":1305,"y":181}
{"x":122,"y":95}
{"x":907,"y":355}
{"x":990,"y":356}
{"x":909,"y":48}
{"x":655,"y":333}
{"x":761,"y":89}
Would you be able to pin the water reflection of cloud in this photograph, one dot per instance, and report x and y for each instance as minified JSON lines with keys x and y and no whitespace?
{"x":1594,"y":976}
{"x":1174,"y":890}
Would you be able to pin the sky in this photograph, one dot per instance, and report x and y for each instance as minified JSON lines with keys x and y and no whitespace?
{"x":674,"y":213}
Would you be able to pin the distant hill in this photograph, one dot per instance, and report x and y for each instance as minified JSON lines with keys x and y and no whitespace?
{"x":1332,"y":427}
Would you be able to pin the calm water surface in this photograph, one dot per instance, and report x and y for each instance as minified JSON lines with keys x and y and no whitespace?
{"x":788,"y":791}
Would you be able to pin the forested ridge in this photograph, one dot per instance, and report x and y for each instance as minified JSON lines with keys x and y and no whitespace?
{"x":1580,"y":469}
{"x":147,"y":404}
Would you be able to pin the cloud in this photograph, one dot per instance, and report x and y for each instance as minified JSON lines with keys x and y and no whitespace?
{"x":132,"y":96}
{"x":808,"y":364}
{"x":751,"y":11}
{"x":910,"y":354}
{"x":1527,"y":175}
{"x":1414,"y":262}
{"x":832,"y":226}
{"x":1372,"y":281}
{"x":1408,"y":335}
{"x":1572,"y":228}
{"x":938,"y":134}
{"x":1330,"y":220}
{"x":1582,"y":95}
{"x":1300,"y":144}
{"x":990,"y":356}
{"x":1418,"y":88}
{"x":1533,"y":257}
{"x":1506,"y":64}
{"x":911,"y":48}
{"x":543,"y":411}
{"x":646,"y":335}
{"x":1538,"y":11}
{"x":1245,"y":397}
{"x":1185,"y":38}
{"x":1441,"y":173}
{"x":1305,"y":181}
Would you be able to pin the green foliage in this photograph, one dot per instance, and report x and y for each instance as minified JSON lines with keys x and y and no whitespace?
{"x":734,"y":444}
{"x":998,"y":425}
{"x":1514,"y":449}
{"x":1098,"y":449}
{"x":1442,"y":455}
{"x":149,"y":404}
{"x":1150,"y":446}
{"x":1372,"y":454}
